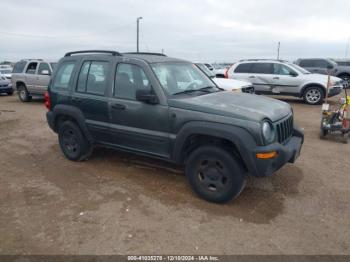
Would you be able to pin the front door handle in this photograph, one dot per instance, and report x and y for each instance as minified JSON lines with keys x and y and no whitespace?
{"x":276,"y":78}
{"x":119,"y":106}
{"x":75,"y":99}
{"x":252,"y":77}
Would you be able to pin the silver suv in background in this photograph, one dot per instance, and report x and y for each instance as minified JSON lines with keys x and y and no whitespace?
{"x":277,"y":77}
{"x":323,"y":66}
{"x":31,"y":77}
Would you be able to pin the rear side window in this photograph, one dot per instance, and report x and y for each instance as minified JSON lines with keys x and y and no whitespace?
{"x":63,"y":76}
{"x":243,"y":68}
{"x":19,"y":67}
{"x":93,"y":77}
{"x":262,"y":68}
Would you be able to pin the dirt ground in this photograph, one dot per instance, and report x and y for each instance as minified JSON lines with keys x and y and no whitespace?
{"x":116,"y":203}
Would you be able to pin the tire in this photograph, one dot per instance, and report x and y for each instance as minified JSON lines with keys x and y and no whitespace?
{"x":313,"y":95}
{"x":214,"y":174}
{"x":72,"y":142}
{"x":23,"y":94}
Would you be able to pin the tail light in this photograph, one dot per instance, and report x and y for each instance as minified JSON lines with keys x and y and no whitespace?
{"x":47,"y":100}
{"x":226,"y":73}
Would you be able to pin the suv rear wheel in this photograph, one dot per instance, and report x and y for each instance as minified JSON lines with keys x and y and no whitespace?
{"x":72,"y":142}
{"x":215,"y":174}
{"x":23,"y":94}
{"x":313,"y":95}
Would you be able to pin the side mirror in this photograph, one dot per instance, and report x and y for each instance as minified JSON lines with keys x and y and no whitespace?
{"x":45,"y":72}
{"x":146,"y":96}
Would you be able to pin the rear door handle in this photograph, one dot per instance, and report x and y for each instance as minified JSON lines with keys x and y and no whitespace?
{"x":119,"y":106}
{"x":276,"y":78}
{"x":252,"y":77}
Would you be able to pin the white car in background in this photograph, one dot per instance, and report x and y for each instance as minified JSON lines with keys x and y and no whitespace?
{"x":227,"y":84}
{"x":6,"y":72}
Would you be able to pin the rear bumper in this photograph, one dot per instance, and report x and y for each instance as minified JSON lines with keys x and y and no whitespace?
{"x":50,"y":120}
{"x":286,"y":153}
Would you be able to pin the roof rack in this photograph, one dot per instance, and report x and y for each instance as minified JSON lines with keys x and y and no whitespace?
{"x":144,"y":53}
{"x":115,"y":53}
{"x":32,"y":59}
{"x":257,"y":59}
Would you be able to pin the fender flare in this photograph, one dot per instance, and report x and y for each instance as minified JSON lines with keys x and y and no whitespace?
{"x":240,"y":138}
{"x":73,"y":112}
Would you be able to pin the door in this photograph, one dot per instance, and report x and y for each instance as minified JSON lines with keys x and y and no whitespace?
{"x":43,"y":77}
{"x":285,"y":80}
{"x":90,"y":97}
{"x":137,"y":125}
{"x":261,"y":77}
{"x":30,"y":77}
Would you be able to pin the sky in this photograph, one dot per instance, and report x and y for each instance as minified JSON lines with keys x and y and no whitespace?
{"x":195,"y":30}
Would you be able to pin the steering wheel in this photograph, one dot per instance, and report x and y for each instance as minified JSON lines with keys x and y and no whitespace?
{"x":192,"y":85}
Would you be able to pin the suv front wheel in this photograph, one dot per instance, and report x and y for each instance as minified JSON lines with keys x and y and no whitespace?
{"x":313,"y":95}
{"x":215,"y":174}
{"x":72,"y":142}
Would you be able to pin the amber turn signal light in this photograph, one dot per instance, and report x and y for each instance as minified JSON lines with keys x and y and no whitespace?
{"x":266,"y":155}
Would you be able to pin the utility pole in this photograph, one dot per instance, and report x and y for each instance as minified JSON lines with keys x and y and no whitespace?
{"x":278,"y":50}
{"x":137,"y":33}
{"x":347,"y":48}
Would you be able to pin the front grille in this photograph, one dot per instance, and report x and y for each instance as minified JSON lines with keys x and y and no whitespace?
{"x":4,"y":85}
{"x":248,"y":89}
{"x":284,"y":129}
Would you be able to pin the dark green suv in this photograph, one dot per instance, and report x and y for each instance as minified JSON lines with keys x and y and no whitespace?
{"x":163,"y":107}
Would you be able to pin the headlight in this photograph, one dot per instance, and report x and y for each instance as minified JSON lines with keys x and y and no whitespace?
{"x":268,"y":132}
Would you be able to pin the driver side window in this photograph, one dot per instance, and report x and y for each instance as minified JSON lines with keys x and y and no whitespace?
{"x":128,"y":79}
{"x":280,"y":69}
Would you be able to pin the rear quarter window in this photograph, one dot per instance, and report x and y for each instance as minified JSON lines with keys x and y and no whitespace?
{"x":64,"y":76}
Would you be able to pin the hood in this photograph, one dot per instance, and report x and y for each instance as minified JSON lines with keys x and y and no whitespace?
{"x":236,"y":105}
{"x":230,"y":84}
{"x":323,"y":79}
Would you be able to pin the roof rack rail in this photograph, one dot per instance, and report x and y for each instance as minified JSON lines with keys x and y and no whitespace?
{"x":32,"y":59}
{"x":144,"y":53}
{"x":115,"y":53}
{"x":265,"y":59}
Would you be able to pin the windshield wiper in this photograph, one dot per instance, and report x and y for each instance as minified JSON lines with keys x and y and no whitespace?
{"x":203,"y":89}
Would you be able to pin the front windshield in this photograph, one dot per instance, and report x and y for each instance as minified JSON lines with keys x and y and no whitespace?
{"x":178,"y":77}
{"x":299,"y":69}
{"x":5,"y":71}
{"x":206,"y":70}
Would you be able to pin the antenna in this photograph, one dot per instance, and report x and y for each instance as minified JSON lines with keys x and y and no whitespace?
{"x":278,"y":50}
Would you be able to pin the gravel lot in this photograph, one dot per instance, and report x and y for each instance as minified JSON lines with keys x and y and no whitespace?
{"x":116,"y":203}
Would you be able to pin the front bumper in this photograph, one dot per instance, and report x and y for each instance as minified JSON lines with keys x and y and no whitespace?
{"x":7,"y":89}
{"x":335,"y":91}
{"x":286,"y":153}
